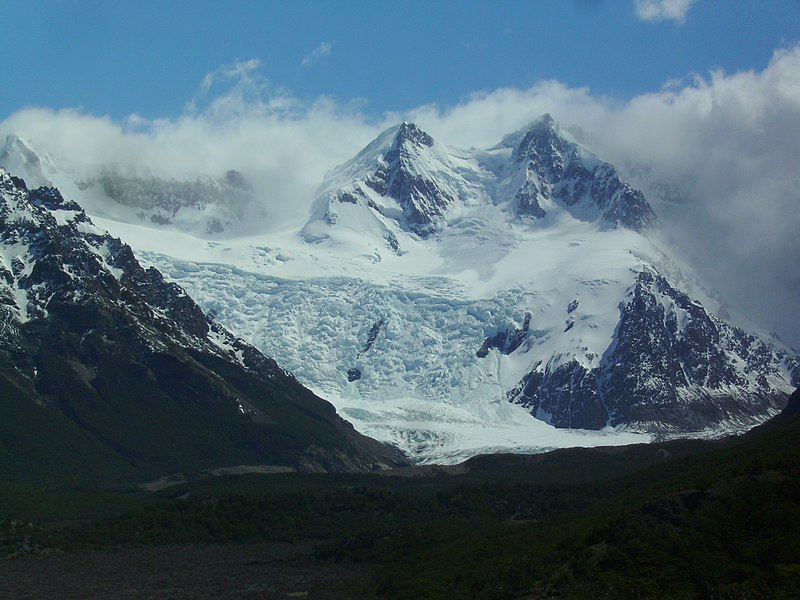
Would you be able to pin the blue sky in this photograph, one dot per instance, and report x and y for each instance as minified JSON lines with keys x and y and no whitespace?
{"x":116,"y":58}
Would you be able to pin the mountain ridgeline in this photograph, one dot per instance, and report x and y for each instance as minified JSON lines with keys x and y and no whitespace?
{"x":531,"y":173}
{"x":669,"y":366}
{"x":437,"y":296}
{"x":193,"y":203}
{"x":109,"y":371}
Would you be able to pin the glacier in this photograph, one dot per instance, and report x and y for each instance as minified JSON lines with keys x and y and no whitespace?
{"x":395,"y":298}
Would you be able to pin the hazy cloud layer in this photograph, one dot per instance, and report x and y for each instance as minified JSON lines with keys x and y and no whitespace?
{"x":728,"y":145}
{"x":236,"y":120}
{"x":663,"y":10}
{"x":317,"y":54}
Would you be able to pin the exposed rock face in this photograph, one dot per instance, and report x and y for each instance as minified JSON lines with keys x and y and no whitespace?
{"x":89,"y":334}
{"x":671,"y":367}
{"x":555,"y":170}
{"x":423,"y":201}
{"x":506,"y":341}
{"x":413,"y":184}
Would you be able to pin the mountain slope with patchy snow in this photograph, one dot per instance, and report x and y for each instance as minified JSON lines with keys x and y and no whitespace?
{"x":454,"y":302}
{"x":100,"y":357}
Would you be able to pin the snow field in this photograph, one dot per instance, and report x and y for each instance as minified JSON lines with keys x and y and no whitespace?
{"x":387,"y":325}
{"x":422,"y":386}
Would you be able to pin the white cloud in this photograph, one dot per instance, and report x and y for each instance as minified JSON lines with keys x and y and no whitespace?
{"x":324,"y":49}
{"x":730,"y":142}
{"x":236,"y":120}
{"x":733,"y":144}
{"x":663,"y":10}
{"x":239,"y":82}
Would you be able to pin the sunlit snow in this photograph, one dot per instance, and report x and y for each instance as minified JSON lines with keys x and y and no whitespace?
{"x":390,"y":333}
{"x":422,"y":386}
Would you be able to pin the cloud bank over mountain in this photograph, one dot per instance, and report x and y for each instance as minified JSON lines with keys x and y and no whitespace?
{"x":726,"y":143}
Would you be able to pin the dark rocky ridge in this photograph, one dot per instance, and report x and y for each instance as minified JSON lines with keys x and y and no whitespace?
{"x":506,"y":341}
{"x":555,"y":171}
{"x":423,"y":202}
{"x":670,"y":367}
{"x":90,"y":336}
{"x":544,"y":167}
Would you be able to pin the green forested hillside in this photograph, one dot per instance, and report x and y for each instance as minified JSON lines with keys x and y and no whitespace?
{"x":683,"y":519}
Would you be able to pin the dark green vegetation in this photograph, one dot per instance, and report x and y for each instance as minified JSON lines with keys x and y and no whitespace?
{"x":109,"y":373}
{"x":684,"y":519}
{"x":132,"y":423}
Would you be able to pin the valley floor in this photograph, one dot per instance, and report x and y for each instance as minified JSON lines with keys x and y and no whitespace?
{"x":231,"y":571}
{"x":683,"y":519}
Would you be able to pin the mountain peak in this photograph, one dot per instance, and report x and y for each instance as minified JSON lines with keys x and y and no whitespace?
{"x":18,"y":158}
{"x":407,"y":180}
{"x":12,"y":141}
{"x":409,"y":132}
{"x":545,"y":121}
{"x":541,"y":138}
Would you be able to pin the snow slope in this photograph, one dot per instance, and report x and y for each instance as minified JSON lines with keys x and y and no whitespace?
{"x":456,"y":302}
{"x":421,"y":384}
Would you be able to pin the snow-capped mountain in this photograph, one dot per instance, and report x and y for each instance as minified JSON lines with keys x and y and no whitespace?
{"x":662,"y":362}
{"x":194,"y":203}
{"x":129,"y":361}
{"x":460,"y":301}
{"x":547,"y":168}
{"x":405,"y":181}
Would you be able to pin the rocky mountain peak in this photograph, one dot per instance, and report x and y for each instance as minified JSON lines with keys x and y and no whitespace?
{"x":552,"y":167}
{"x":405,"y":173}
{"x":14,"y":144}
{"x":666,"y":349}
{"x":410,"y":133}
{"x":543,"y":144}
{"x":408,"y":148}
{"x":235,"y":179}
{"x":405,"y":181}
{"x":546,"y":121}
